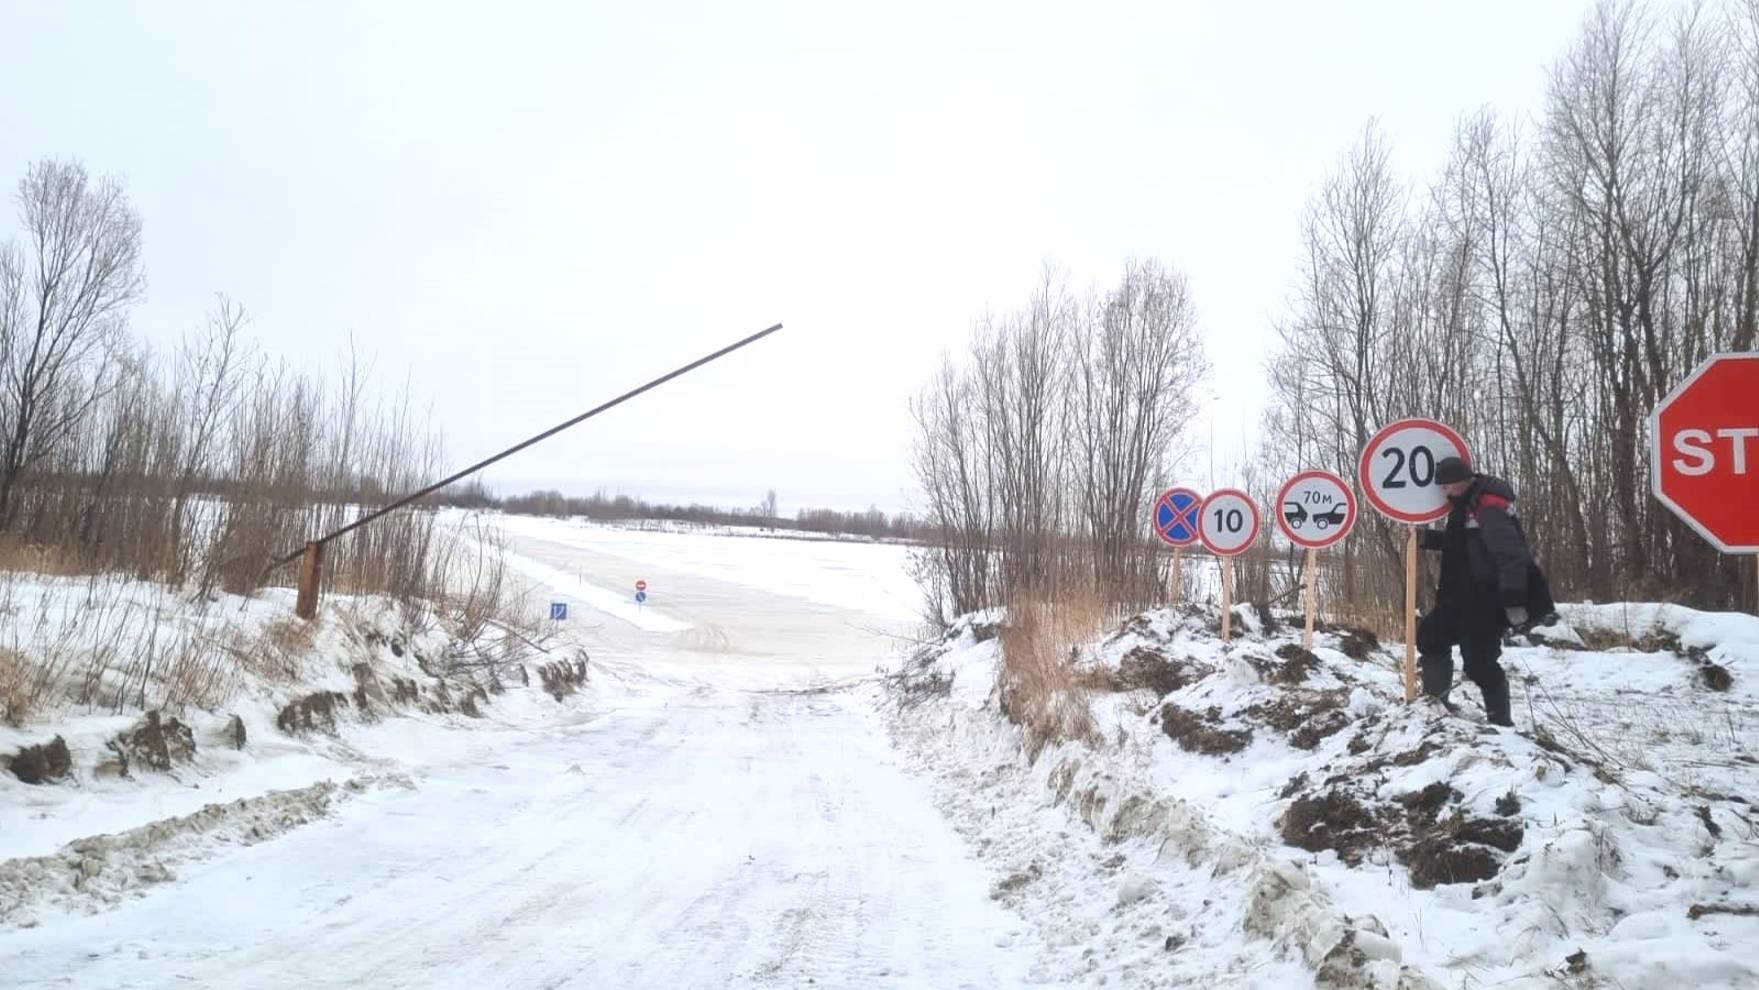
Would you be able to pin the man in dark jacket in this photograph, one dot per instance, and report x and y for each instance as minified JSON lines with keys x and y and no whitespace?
{"x":1489,"y":582}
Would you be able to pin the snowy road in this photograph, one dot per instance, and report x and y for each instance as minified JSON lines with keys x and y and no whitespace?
{"x":724,"y":830}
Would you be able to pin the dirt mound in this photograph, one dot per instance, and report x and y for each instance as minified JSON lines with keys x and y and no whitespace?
{"x":42,"y":764}
{"x":1146,"y":668}
{"x":1357,"y":644}
{"x":1332,"y":820}
{"x":1298,"y":664}
{"x":155,"y":743}
{"x":1201,"y":733}
{"x":1308,"y":717}
{"x":1438,"y":845}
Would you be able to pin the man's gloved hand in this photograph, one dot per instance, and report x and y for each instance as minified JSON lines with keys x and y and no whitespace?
{"x":1517,"y":615}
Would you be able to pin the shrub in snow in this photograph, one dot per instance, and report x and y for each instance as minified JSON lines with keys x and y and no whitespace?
{"x":42,"y":764}
{"x":563,"y":677}
{"x":314,"y":712}
{"x":154,"y":743}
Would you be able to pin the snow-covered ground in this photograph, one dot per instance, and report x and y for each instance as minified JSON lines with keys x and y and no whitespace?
{"x":710,"y":810}
{"x":1610,"y":841}
{"x":733,"y":798}
{"x":680,"y":837}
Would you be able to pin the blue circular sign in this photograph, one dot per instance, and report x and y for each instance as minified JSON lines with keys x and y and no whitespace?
{"x":640,"y":596}
{"x":1175,"y":516}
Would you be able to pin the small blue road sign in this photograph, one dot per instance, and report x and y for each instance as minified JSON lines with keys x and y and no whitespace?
{"x":558,"y":610}
{"x":1175,"y":516}
{"x":640,"y":596}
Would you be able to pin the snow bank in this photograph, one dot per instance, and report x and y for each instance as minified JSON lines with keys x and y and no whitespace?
{"x":1382,"y":844}
{"x":100,"y":870}
{"x":293,"y":717}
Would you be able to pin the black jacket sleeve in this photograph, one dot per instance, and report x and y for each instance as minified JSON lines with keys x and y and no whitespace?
{"x":1430,"y":538}
{"x":1508,"y":548}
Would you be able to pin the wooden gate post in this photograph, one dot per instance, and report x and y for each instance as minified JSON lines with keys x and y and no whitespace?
{"x":311,"y":571}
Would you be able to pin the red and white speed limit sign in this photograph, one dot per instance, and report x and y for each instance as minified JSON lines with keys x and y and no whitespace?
{"x":1228,"y":522}
{"x":1315,"y":509}
{"x":1397,"y":469}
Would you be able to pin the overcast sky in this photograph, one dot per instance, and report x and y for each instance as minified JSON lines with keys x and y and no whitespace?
{"x":523,"y":209}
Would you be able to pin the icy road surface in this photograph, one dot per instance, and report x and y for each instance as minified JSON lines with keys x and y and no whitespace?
{"x":707,"y":818}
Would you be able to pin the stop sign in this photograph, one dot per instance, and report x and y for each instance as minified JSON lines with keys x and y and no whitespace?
{"x":1704,"y":451}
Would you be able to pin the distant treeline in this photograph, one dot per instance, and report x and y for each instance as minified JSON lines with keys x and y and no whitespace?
{"x":602,"y":507}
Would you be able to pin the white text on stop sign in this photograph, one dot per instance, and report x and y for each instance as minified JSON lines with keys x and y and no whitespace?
{"x":1697,"y":444}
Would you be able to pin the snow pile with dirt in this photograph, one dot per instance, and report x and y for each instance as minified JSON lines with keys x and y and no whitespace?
{"x":1275,"y":807}
{"x":110,"y":784}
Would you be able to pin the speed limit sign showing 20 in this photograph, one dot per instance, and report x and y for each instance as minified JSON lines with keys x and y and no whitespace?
{"x":1228,"y":522}
{"x":1397,"y":474}
{"x":1397,"y":470}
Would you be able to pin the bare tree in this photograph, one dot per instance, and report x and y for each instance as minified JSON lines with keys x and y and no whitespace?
{"x":62,"y":300}
{"x":209,"y":379}
{"x":1136,"y":361}
{"x":1037,"y":456}
{"x":1550,"y":289}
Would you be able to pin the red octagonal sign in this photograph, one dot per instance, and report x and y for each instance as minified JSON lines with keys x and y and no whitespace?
{"x":1704,"y":451}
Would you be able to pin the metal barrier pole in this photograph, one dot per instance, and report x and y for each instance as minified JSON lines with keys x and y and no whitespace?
{"x":310,"y":570}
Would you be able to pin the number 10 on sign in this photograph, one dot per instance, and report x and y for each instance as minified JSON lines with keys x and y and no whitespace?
{"x":1228,"y":525}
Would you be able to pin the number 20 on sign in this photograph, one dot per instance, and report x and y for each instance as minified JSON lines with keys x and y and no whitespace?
{"x":1397,"y":475}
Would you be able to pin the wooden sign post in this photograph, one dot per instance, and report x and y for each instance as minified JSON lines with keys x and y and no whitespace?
{"x":1307,"y":634}
{"x":1227,"y":567}
{"x":1315,"y":510}
{"x":1411,"y":616}
{"x":1228,"y":524}
{"x":1397,"y":474}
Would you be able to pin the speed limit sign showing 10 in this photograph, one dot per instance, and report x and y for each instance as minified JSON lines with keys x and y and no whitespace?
{"x":1315,"y":509}
{"x":1397,"y":470}
{"x":1228,"y":522}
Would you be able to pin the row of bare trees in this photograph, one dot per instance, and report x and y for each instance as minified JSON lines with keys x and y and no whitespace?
{"x":1039,"y":450}
{"x":1541,"y":294}
{"x":604,"y":507}
{"x":195,"y":466}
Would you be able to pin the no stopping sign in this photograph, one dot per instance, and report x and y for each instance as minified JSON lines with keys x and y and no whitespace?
{"x":1229,"y":522}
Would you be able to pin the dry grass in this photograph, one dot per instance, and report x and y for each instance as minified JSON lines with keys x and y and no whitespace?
{"x":276,"y":654}
{"x":106,"y":642}
{"x":1040,"y":688}
{"x":17,"y":556}
{"x":15,"y":685}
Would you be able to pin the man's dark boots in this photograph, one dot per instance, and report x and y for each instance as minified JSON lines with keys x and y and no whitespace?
{"x":1496,"y":701}
{"x":1438,"y":676}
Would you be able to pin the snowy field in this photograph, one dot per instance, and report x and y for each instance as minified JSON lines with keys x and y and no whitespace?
{"x":851,"y":575}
